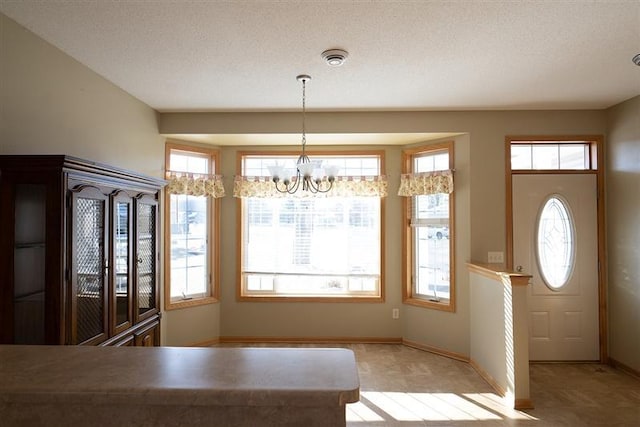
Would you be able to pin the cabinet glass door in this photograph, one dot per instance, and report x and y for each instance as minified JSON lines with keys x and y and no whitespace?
{"x":121,"y":271}
{"x":146,"y":257}
{"x":89,"y":266}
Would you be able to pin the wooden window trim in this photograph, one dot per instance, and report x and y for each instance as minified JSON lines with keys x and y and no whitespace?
{"x":214,"y":244}
{"x":408,"y":296}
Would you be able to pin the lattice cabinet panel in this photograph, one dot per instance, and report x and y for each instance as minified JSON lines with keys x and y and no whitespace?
{"x":146,"y":256}
{"x":89,"y":264}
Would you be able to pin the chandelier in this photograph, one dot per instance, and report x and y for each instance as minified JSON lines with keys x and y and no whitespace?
{"x":305,"y":168}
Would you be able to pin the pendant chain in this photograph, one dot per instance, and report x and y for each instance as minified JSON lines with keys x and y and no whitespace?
{"x":304,"y":126}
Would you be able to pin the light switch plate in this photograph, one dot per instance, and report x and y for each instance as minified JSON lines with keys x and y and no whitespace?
{"x":496,"y":257}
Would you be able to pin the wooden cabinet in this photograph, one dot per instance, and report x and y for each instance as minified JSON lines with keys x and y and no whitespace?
{"x":148,"y":336}
{"x":79,"y":255}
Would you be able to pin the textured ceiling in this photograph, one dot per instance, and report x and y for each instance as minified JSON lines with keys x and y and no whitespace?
{"x":404,"y":55}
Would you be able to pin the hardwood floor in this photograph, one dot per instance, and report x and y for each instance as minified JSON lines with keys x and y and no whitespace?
{"x":402,"y":386}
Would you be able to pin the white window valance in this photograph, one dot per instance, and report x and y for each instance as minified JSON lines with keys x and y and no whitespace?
{"x":344,"y":186}
{"x":194,"y":184}
{"x":418,"y":184}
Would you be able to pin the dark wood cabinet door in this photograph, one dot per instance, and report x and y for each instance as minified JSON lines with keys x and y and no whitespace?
{"x":146,"y":249}
{"x":148,"y":336}
{"x":121,"y":276}
{"x":89,"y":219}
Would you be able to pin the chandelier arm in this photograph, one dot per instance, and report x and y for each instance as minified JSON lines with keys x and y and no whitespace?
{"x":276,"y":181}
{"x":293,"y":188}
{"x":315,"y":186}
{"x":326,"y":190}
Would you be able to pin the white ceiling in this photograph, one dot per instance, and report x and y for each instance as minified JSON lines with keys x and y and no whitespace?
{"x":186,"y":55}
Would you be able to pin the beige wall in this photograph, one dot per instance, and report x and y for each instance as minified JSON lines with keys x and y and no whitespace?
{"x":623,"y":231}
{"x":199,"y":326}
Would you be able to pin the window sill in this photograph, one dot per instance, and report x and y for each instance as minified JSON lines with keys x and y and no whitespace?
{"x":190,"y":303}
{"x":444,"y":305}
{"x":280,"y":298}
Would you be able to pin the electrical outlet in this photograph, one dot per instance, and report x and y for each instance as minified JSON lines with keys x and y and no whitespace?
{"x":496,"y":257}
{"x":395,"y":313}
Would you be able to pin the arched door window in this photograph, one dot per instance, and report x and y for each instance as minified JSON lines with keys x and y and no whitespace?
{"x":555,"y":242}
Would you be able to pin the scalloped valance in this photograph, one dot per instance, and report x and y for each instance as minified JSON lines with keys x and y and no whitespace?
{"x":194,"y":184}
{"x":344,"y":186}
{"x":418,"y":184}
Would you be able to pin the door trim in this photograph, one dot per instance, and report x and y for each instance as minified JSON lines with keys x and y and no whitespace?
{"x":597,"y":168}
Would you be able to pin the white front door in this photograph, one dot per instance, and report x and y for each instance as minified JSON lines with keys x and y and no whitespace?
{"x":562,"y":256}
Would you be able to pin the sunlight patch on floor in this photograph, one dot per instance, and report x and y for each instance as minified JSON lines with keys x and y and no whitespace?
{"x":494,"y":403}
{"x":359,"y":412}
{"x":430,"y":407}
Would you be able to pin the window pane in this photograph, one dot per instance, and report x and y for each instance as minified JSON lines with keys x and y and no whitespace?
{"x":521,"y":156}
{"x":550,"y":156}
{"x":347,"y":166}
{"x":432,"y":162}
{"x":431,"y":246}
{"x":574,"y":156}
{"x":545,"y":156}
{"x":316,"y":246}
{"x":192,"y":162}
{"x":312,"y":236}
{"x":432,"y":264}
{"x":432,"y":208}
{"x":188,"y":245}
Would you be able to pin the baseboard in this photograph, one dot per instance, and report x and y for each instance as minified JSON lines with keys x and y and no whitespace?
{"x":207,"y":343}
{"x":488,"y":378}
{"x":435,"y":350}
{"x":521,"y":404}
{"x":518,"y":404}
{"x":624,"y":368}
{"x":309,"y":340}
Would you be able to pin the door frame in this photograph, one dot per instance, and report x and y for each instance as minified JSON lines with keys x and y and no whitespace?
{"x":596,"y":167}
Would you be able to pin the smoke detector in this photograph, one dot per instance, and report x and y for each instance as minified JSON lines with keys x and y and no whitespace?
{"x":335,"y":57}
{"x":636,"y":59}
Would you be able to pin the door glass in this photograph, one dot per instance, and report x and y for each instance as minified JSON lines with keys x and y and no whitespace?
{"x":122,"y":262}
{"x":555,"y":242}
